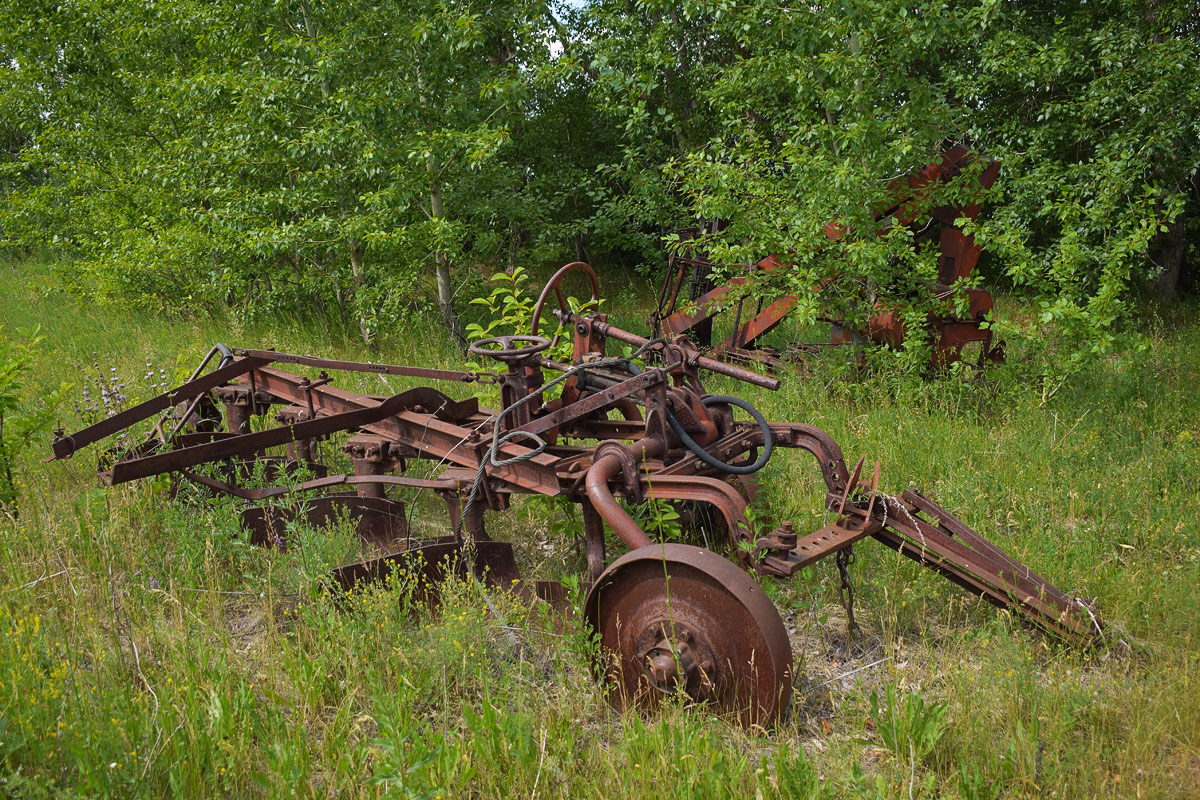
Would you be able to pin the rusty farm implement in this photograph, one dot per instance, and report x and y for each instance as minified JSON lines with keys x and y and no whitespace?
{"x":690,"y":272}
{"x":673,"y":617}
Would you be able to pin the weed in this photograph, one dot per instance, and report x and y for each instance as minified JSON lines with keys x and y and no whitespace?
{"x":908,"y":726}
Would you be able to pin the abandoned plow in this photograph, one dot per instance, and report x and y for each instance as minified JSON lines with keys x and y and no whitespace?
{"x":691,"y":272}
{"x":676,"y":618}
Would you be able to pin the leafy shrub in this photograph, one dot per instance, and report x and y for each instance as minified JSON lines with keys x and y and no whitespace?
{"x":19,"y":424}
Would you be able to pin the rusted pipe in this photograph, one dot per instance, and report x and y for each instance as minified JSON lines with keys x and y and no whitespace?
{"x":601,"y":472}
{"x":719,"y":367}
{"x":629,"y":409}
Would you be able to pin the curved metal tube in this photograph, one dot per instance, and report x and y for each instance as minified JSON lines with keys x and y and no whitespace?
{"x":698,"y":488}
{"x":599,"y":474}
{"x":821,"y":445}
{"x":629,"y":410}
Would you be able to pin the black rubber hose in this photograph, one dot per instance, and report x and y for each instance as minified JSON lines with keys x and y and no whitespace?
{"x":701,"y":453}
{"x":713,"y":461}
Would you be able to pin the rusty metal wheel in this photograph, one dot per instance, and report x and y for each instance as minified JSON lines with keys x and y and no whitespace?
{"x":554,"y":285}
{"x":675,"y":618}
{"x":510,"y":350}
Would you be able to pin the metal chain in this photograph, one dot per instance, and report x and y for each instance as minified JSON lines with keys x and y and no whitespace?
{"x":845,"y":558}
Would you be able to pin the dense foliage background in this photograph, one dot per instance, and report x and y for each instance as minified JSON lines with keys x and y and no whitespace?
{"x":358,"y":161}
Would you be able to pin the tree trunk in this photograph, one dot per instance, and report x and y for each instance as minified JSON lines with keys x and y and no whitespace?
{"x":445,"y":291}
{"x":311,"y":31}
{"x":1172,"y":246}
{"x":356,"y":274}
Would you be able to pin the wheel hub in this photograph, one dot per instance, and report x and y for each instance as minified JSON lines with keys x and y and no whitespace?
{"x":683,"y":661}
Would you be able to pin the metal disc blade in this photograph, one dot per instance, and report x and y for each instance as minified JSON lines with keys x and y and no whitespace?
{"x":676,"y":618}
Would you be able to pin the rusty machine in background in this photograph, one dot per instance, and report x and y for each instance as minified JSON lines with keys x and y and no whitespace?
{"x":957,"y":256}
{"x":676,"y":618}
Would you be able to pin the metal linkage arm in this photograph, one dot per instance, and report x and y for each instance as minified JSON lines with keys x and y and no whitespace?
{"x":64,"y":446}
{"x":967,"y":559}
{"x":248,"y":444}
{"x":380,"y":369}
{"x":427,"y":432}
{"x":712,"y":365}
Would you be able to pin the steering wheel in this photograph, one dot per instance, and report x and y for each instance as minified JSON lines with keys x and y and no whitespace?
{"x":553,"y":285}
{"x":510,"y":352}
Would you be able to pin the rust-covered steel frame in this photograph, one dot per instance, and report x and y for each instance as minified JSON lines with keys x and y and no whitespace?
{"x":957,"y":257}
{"x":663,"y":444}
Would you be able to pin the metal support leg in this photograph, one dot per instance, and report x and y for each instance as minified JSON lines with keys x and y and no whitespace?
{"x":593,"y":529}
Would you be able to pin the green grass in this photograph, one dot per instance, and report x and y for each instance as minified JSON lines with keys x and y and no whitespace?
{"x":147,"y":650}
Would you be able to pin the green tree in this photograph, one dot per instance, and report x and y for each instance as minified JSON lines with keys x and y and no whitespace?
{"x":1094,"y":109}
{"x":350,"y":160}
{"x":278,"y":154}
{"x":779,"y":120}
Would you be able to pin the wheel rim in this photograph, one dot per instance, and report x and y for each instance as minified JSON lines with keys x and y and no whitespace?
{"x":676,"y":619}
{"x":509,"y":351}
{"x":552,"y":285}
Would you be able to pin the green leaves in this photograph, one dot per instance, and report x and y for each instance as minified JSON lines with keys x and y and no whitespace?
{"x":786,"y":121}
{"x":906,"y":724}
{"x":284,"y":156}
{"x":282,"y":146}
{"x":22,"y":420}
